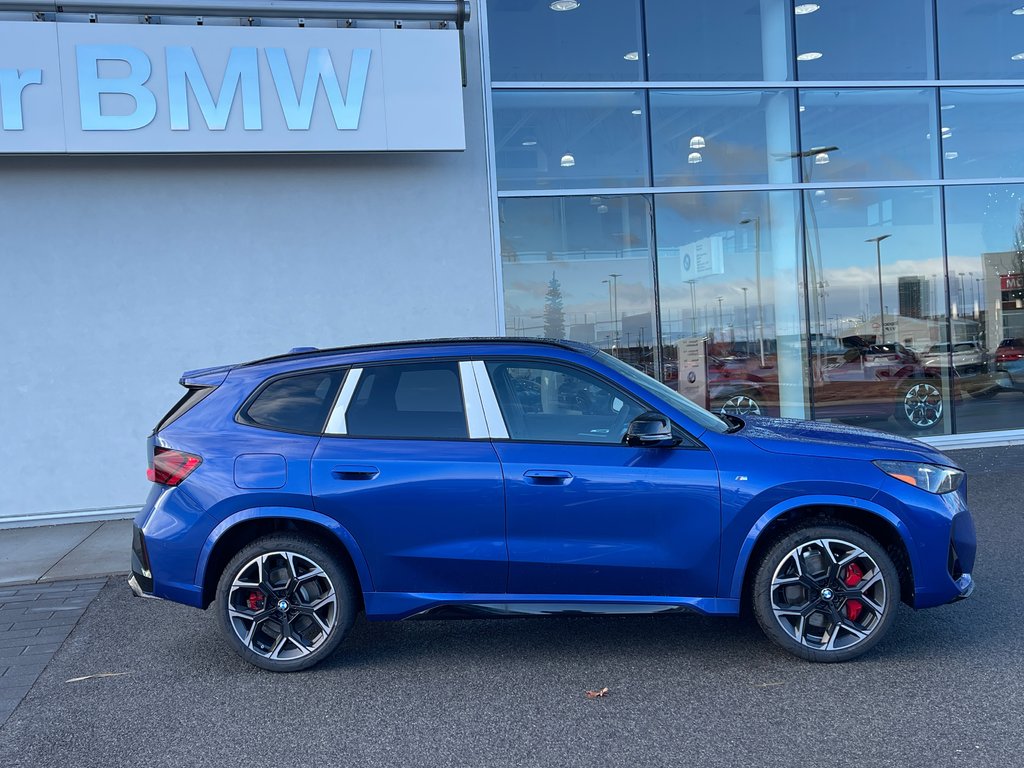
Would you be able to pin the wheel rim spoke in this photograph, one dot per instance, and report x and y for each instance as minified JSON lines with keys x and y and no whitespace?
{"x":282,"y":605}
{"x":809,"y":594}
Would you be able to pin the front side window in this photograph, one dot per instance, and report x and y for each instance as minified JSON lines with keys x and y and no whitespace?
{"x":421,"y":400}
{"x":548,"y":402}
{"x":295,"y":403}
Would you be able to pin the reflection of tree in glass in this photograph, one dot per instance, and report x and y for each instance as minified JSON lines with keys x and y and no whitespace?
{"x":554,"y":315}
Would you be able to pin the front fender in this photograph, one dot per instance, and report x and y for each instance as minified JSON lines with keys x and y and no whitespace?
{"x":847,"y":502}
{"x":287,"y":513}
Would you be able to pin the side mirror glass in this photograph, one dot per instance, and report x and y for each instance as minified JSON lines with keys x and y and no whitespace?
{"x":649,"y":430}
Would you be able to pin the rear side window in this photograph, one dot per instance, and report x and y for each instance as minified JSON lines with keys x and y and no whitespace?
{"x":414,"y":400}
{"x":295,"y":403}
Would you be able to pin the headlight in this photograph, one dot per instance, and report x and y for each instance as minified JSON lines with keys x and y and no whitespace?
{"x":929,"y":477}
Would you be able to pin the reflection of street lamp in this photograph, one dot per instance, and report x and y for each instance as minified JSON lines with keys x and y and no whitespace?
{"x":746,"y":319}
{"x":721,"y":325}
{"x":963,"y":297}
{"x":756,"y":221}
{"x":878,"y":255}
{"x":693,"y":308}
{"x":615,"y":292}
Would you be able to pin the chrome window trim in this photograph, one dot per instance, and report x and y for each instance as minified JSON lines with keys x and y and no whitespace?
{"x":476,"y":421}
{"x":336,"y":423}
{"x":489,"y":401}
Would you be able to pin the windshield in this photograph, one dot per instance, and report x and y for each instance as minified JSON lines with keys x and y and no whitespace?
{"x":693,"y":412}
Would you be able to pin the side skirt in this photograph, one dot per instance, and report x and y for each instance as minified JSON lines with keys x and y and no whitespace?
{"x":391,"y":606}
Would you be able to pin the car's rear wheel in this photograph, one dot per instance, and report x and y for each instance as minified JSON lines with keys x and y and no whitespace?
{"x":285,"y":602}
{"x":826,"y":593}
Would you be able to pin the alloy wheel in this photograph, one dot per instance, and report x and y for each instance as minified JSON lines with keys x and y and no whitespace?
{"x":282,"y":605}
{"x":740,"y":405}
{"x":828,"y":594}
{"x":922,"y":405}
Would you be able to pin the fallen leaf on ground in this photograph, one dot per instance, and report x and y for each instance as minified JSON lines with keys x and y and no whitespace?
{"x":98,"y":674}
{"x":597,"y":694}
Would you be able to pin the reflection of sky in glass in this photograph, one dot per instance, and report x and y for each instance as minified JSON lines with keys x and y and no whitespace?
{"x":843,"y":267}
{"x":707,"y":40}
{"x":977,"y":40}
{"x":981,"y":136}
{"x":560,"y":139}
{"x":530,"y":41}
{"x":741,"y":137}
{"x":867,"y":40}
{"x":875,"y":135}
{"x":582,"y":242}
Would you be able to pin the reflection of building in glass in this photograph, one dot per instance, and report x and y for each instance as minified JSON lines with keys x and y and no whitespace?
{"x":915,"y":296}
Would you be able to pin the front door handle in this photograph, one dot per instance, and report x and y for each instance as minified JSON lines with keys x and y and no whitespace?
{"x":354,"y":472}
{"x":548,"y":476}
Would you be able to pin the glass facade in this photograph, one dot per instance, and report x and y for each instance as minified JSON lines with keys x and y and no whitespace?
{"x":812,"y":210}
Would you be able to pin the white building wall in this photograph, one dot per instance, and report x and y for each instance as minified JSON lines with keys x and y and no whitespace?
{"x":119,"y":273}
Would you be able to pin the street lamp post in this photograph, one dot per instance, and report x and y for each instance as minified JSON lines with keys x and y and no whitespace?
{"x":878,"y":256}
{"x":746,"y":320}
{"x":693,"y":307}
{"x":615,"y":293}
{"x":756,"y":221}
{"x":721,"y":325}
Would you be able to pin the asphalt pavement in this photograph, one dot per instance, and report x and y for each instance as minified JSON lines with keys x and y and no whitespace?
{"x":161,"y":689}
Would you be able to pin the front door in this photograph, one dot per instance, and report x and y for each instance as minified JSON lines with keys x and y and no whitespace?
{"x":587,"y":514}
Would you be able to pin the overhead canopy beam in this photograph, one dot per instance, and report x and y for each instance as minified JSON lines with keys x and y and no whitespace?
{"x":405,"y":10}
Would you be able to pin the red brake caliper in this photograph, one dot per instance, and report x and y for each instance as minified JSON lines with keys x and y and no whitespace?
{"x":854,"y":573}
{"x":255,"y":601}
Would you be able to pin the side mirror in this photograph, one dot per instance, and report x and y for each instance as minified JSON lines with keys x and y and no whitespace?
{"x":650,"y":430}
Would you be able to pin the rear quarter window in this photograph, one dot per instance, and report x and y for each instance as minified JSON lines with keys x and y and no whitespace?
{"x":294,"y":403}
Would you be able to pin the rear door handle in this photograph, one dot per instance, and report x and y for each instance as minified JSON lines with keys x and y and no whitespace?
{"x":548,"y":476}
{"x":354,"y":472}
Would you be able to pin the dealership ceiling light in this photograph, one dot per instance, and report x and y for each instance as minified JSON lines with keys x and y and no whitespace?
{"x":632,"y":56}
{"x":567,"y":161}
{"x":809,"y":56}
{"x":821,"y":158}
{"x":697,"y":142}
{"x":1017,"y":57}
{"x":947,"y":106}
{"x":529,"y":141}
{"x":951,"y":155}
{"x":805,"y":8}
{"x":694,"y":157}
{"x":638,"y":111}
{"x":1018,"y":11}
{"x":565,"y":5}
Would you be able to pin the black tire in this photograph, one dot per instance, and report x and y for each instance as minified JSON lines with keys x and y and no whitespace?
{"x":871,"y":623}
{"x":301,"y":641}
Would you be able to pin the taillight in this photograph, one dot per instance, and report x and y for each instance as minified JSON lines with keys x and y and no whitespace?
{"x":170,"y":467}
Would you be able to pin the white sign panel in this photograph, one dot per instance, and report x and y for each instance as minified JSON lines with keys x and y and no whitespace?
{"x":125,"y":88}
{"x":702,"y":258}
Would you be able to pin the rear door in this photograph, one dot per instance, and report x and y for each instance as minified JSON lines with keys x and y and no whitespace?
{"x":420,"y":490}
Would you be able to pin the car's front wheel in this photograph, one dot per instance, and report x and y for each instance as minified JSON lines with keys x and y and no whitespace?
{"x":285,"y":602}
{"x":826,"y":593}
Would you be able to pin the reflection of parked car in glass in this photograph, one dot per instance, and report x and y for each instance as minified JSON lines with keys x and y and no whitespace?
{"x":969,"y":359}
{"x":1010,"y":364}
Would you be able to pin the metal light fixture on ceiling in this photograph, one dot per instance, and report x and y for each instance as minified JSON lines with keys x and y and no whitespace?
{"x":637,"y":112}
{"x":951,"y":155}
{"x":632,"y":56}
{"x":1018,"y":11}
{"x":529,"y":141}
{"x":947,"y":133}
{"x":694,"y":157}
{"x":697,"y":142}
{"x":564,"y":5}
{"x":809,"y":56}
{"x":805,"y":8}
{"x":1017,"y":57}
{"x":821,"y":158}
{"x":567,"y":161}
{"x":602,"y":208}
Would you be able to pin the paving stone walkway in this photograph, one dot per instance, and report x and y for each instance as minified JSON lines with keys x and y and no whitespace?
{"x":34,"y":620}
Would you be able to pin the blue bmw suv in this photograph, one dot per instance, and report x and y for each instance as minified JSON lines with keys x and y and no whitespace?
{"x":510,"y":477}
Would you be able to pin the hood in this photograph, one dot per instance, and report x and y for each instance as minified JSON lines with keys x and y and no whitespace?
{"x":815,"y":438}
